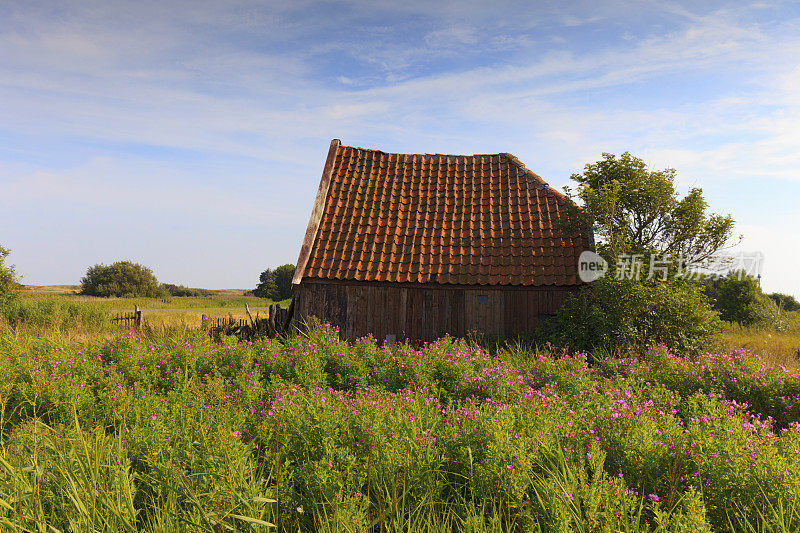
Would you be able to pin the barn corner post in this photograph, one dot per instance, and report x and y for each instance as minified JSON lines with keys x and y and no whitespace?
{"x":418,"y":246}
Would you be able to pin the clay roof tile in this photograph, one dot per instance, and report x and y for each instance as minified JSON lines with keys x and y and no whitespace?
{"x":480,"y":219}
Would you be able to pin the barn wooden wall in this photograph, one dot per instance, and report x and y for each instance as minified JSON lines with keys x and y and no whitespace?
{"x":425,"y":312}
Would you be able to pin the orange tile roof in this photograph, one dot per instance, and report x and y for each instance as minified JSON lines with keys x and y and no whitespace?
{"x":447,"y":219}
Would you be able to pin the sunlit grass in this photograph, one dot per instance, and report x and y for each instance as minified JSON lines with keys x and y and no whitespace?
{"x":75,"y":316}
{"x":229,"y":298}
{"x":780,"y":347}
{"x":163,"y":430}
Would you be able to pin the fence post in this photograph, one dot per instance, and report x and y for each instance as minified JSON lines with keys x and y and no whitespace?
{"x":137,"y":316}
{"x":271,"y":320}
{"x":282,"y":313}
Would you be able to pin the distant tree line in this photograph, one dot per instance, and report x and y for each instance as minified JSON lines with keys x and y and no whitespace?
{"x":786,"y":302}
{"x":181,"y":290}
{"x":129,"y":279}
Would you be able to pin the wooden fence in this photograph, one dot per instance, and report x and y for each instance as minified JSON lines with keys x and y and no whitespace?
{"x":276,"y":321}
{"x":129,"y":319}
{"x":224,"y":322}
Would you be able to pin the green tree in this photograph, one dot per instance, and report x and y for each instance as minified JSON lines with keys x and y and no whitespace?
{"x":634,"y":210}
{"x":266,"y":287}
{"x":738,"y":298}
{"x":8,"y":277}
{"x":123,"y":278}
{"x":275,"y":284}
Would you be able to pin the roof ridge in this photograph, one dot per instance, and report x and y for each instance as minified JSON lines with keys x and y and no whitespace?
{"x":376,"y":150}
{"x":514,"y":159}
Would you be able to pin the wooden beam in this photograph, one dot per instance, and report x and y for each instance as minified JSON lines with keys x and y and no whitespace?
{"x":316,"y":213}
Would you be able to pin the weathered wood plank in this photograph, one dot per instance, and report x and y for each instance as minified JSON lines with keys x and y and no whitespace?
{"x":446,"y":309}
{"x":499,"y":313}
{"x":362,"y":312}
{"x":533,"y":310}
{"x":411,"y":314}
{"x":335,"y":306}
{"x":437,"y":321}
{"x":415,"y":307}
{"x":271,"y":319}
{"x":508,"y":306}
{"x":316,"y":213}
{"x":349,"y":330}
{"x":369,"y":304}
{"x":402,"y":318}
{"x":297,"y":302}
{"x":459,"y":305}
{"x":390,"y":321}
{"x":425,"y":313}
{"x":468,"y":307}
{"x":341,"y":307}
{"x":511,"y":306}
{"x":428,"y":314}
{"x":382,"y":328}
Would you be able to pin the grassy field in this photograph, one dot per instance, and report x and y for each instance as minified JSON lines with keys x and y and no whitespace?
{"x":224,"y":298}
{"x":38,"y":302}
{"x":778,"y":347}
{"x":167,"y":430}
{"x":163,"y":430}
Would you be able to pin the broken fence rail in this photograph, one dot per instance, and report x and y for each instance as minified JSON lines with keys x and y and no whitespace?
{"x":129,"y":319}
{"x":276,"y":322}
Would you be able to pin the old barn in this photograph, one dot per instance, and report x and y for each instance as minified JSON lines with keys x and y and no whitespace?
{"x":418,"y":246}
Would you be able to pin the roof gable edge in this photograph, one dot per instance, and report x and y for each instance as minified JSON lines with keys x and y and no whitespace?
{"x":536,"y":177}
{"x":316,"y":213}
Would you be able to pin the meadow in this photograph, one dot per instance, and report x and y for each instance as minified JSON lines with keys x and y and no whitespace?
{"x":61,"y":307}
{"x":163,"y":430}
{"x":222,"y":298}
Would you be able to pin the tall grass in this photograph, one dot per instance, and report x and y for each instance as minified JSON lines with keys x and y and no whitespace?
{"x":215,"y":301}
{"x":163,"y":430}
{"x":780,"y":347}
{"x":77,"y":479}
{"x":65,"y":316}
{"x":53,"y":313}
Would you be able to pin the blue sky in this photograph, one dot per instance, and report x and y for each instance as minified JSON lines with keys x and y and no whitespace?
{"x":190,"y":136}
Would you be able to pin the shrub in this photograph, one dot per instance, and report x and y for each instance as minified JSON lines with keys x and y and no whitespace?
{"x":123,"y":278}
{"x":737,"y":297}
{"x":786,"y":302}
{"x":8,"y":279}
{"x":619,"y":315}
